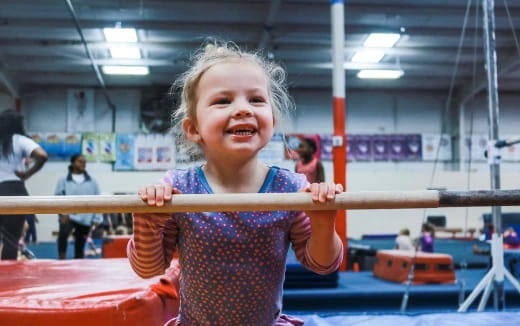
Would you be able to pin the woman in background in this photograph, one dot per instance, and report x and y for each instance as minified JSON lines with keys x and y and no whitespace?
{"x":76,"y":182}
{"x":15,"y":148}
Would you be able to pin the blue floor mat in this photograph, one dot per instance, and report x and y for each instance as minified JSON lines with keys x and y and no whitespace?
{"x":444,"y":319}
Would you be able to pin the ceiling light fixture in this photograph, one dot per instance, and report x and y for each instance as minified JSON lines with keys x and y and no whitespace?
{"x":381,"y":40}
{"x":368,"y":56}
{"x":125,"y":52}
{"x":126,"y":70}
{"x":380,"y":74}
{"x":120,"y":34}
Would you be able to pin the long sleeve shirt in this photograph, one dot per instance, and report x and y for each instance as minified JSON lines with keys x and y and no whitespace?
{"x":66,"y":186}
{"x":232,"y":263}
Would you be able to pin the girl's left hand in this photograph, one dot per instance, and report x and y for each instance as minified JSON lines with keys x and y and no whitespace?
{"x":323,"y":192}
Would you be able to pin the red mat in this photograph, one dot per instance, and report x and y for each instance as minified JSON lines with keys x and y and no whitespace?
{"x":100,"y":292}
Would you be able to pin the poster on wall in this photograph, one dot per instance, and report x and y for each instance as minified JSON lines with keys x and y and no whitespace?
{"x":154,"y":152}
{"x":326,"y":147}
{"x":80,"y":109}
{"x":90,"y":146}
{"x":475,"y":147}
{"x":413,"y":146}
{"x":107,"y":145}
{"x":397,"y":147}
{"x":511,"y":153}
{"x":381,"y":147}
{"x":164,"y":152}
{"x":124,"y":152}
{"x":360,"y":147}
{"x":143,"y":152}
{"x":273,"y":152}
{"x":436,"y":147}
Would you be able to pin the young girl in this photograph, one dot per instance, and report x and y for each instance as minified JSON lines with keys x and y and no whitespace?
{"x":403,"y":240}
{"x":427,"y":237}
{"x":308,"y":164}
{"x":233,"y":263}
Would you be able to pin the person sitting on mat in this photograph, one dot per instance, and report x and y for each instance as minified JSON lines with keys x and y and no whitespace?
{"x":403,"y":240}
{"x":233,"y":263}
{"x":308,"y":163}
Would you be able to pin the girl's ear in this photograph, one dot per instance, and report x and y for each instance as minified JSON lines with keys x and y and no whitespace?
{"x":190,"y":129}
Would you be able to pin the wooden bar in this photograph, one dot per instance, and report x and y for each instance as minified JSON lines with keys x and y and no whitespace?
{"x":216,"y":202}
{"x":258,"y":202}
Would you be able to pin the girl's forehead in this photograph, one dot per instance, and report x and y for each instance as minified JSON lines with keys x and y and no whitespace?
{"x":239,"y":62}
{"x":228,"y":70}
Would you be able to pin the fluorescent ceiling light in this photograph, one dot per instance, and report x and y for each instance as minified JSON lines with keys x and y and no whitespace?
{"x":120,"y":34}
{"x":381,"y":40}
{"x":368,"y":56}
{"x":126,"y":70}
{"x":125,"y":52}
{"x":380,"y":74}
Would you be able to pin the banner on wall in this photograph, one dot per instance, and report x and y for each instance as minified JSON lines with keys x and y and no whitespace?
{"x":80,"y":109}
{"x":154,"y":152}
{"x":90,"y":146}
{"x":107,"y":145}
{"x":436,"y":147}
{"x":58,"y":145}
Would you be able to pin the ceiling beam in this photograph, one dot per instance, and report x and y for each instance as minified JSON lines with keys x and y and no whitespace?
{"x":274,"y":8}
{"x":468,"y":92}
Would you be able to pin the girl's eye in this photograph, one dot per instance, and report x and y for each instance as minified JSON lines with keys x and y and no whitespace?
{"x":221,"y":101}
{"x":257,"y":99}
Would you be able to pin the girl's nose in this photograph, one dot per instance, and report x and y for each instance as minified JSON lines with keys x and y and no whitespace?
{"x":242,"y":109}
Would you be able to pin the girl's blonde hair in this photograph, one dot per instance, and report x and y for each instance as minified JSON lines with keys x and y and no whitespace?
{"x":214,"y":53}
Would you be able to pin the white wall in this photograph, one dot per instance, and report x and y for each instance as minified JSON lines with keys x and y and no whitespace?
{"x":6,"y":102}
{"x":46,"y":110}
{"x":367,"y":112}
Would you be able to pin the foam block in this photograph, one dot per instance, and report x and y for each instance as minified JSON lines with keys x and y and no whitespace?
{"x":395,"y":265}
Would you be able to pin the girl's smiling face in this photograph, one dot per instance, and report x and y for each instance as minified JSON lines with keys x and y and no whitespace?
{"x":234,"y":115}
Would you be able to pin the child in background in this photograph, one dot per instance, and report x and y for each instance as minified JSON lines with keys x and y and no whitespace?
{"x":308,"y":163}
{"x":233,"y":263}
{"x":427,"y":237}
{"x":403,"y":240}
{"x":511,"y":239}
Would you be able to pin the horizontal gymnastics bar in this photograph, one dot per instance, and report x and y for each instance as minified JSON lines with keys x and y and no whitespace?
{"x":258,"y":202}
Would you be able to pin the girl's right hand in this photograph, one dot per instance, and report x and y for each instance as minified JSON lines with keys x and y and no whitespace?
{"x":157,"y":195}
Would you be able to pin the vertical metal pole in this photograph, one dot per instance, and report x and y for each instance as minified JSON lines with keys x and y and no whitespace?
{"x":493,"y":159}
{"x":339,"y":152}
